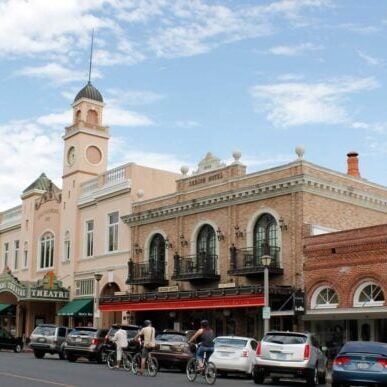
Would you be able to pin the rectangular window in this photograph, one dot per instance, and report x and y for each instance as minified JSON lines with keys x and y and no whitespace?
{"x":6,"y":252}
{"x":16,"y":255}
{"x":47,"y":251}
{"x":25,"y":258}
{"x":113,"y":231}
{"x":90,"y":238}
{"x":84,"y":287}
{"x":67,"y":250}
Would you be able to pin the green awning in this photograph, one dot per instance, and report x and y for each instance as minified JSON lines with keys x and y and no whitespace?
{"x":4,"y":308}
{"x":77,"y":308}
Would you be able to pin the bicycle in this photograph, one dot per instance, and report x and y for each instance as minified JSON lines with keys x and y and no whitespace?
{"x":208,"y":371}
{"x":151,"y":364}
{"x":127,"y":360}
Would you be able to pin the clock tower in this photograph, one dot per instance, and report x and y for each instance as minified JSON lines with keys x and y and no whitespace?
{"x":86,"y":140}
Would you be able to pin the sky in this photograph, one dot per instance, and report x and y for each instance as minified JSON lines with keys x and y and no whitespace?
{"x":181,"y":78}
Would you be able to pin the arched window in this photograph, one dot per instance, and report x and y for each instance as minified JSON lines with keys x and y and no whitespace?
{"x":46,"y":251}
{"x":266,"y":236}
{"x":67,"y":246}
{"x":77,"y":116}
{"x":368,"y":294}
{"x":324,"y":297}
{"x":157,"y":251}
{"x":206,"y":241}
{"x":92,"y":117}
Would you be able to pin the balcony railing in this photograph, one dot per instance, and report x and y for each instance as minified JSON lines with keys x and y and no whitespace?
{"x":201,"y":266}
{"x":151,"y":273}
{"x":248,"y":261}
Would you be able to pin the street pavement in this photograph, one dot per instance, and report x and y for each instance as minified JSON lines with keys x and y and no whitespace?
{"x":22,"y":370}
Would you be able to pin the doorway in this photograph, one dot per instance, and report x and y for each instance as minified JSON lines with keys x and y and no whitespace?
{"x":366,"y":330}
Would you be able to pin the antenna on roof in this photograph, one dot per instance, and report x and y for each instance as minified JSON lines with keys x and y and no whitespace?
{"x":91,"y":53}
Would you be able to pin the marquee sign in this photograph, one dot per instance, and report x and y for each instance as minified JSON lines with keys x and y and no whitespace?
{"x":48,"y":288}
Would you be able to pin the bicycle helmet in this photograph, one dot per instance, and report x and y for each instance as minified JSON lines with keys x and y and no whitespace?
{"x":204,"y":323}
{"x":147,"y":323}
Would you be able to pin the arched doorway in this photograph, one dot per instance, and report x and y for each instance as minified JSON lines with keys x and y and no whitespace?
{"x":110,"y":318}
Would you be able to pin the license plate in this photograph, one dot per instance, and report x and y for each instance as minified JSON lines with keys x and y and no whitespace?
{"x":164,"y":348}
{"x":78,"y":340}
{"x":278,"y":356}
{"x":41,"y":340}
{"x":224,"y":354}
{"x":363,"y":366}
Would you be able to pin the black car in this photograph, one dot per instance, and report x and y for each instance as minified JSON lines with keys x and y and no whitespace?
{"x":131,"y":332}
{"x":85,"y":342}
{"x":8,"y":341}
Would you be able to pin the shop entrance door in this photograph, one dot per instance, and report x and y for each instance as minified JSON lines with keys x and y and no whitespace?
{"x":366,"y":330}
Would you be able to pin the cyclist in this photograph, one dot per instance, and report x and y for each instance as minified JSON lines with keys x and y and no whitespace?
{"x":206,"y":336}
{"x":120,"y":338}
{"x":148,"y":334}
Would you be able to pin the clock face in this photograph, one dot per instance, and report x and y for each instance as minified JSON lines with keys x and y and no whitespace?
{"x":71,"y":156}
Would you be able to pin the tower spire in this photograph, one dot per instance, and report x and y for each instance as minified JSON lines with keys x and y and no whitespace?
{"x":91,"y":53}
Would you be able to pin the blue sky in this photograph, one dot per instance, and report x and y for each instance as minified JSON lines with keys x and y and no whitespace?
{"x":181,"y":78}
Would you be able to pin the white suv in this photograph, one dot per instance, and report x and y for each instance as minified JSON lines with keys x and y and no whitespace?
{"x":290,"y":355}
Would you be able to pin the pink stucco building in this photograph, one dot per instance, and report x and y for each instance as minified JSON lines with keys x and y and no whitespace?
{"x":52,"y":245}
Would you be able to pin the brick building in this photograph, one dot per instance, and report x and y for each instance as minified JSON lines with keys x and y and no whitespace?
{"x":197,"y":248}
{"x":345,"y":281}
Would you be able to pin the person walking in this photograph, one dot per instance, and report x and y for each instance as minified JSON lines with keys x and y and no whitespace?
{"x":205,"y":335}
{"x":148,"y":335}
{"x":120,"y":338}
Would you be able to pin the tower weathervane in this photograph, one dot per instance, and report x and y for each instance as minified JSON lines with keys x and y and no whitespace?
{"x":91,"y":53}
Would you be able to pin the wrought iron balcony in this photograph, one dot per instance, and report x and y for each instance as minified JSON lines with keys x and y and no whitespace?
{"x":199,"y":267}
{"x":148,"y":273}
{"x":248,"y":261}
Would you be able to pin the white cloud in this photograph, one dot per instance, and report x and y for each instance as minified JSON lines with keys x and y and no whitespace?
{"x":371,"y":60}
{"x":378,"y":127}
{"x":133,"y":97}
{"x":56,"y":119}
{"x":121,"y":117}
{"x":290,"y":77}
{"x":187,"y":124}
{"x":294,"y":50}
{"x":292,"y":104}
{"x":57,"y":73}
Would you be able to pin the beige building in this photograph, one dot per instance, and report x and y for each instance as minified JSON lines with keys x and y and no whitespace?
{"x":53,"y":244}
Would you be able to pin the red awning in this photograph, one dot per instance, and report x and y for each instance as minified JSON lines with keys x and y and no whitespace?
{"x":240,"y":301}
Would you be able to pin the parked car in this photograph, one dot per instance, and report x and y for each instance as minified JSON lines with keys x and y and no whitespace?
{"x":85,"y":342}
{"x":8,"y":341}
{"x":360,"y":363}
{"x":48,"y":338}
{"x":290,"y":355}
{"x":131,"y":331}
{"x":234,"y":354}
{"x":174,"y":350}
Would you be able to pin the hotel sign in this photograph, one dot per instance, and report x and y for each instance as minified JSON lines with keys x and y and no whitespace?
{"x":203,"y":180}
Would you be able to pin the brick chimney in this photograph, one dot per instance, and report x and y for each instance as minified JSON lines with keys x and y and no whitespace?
{"x":353,"y":164}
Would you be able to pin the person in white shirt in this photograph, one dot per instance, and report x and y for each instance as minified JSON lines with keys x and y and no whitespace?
{"x":120,"y":338}
{"x":148,"y":334}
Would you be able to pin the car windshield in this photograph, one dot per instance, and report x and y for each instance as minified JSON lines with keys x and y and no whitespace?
{"x":285,"y":339}
{"x":129,"y":332}
{"x":171,"y":337}
{"x":83,"y":332}
{"x":230,"y":342}
{"x":44,"y":331}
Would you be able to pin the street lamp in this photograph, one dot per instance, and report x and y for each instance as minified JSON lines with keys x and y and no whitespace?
{"x":96,"y":314}
{"x":266,"y":261}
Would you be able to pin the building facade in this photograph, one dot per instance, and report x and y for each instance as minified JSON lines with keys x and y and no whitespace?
{"x":53,"y":244}
{"x":199,"y":250}
{"x":345,"y":282}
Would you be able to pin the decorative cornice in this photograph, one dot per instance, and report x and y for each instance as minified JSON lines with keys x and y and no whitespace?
{"x":300,"y":183}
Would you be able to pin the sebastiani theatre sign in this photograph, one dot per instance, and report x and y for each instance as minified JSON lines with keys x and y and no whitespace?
{"x":48,"y":288}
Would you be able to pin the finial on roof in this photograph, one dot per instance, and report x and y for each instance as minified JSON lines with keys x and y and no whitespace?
{"x":184,"y":170}
{"x":140,"y":193}
{"x":237,"y":155}
{"x":300,"y":151}
{"x":91,"y":54}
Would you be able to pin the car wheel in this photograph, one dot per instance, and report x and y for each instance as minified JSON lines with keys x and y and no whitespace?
{"x":101,"y":357}
{"x":334,"y":384}
{"x":258,"y":377}
{"x":18,"y":348}
{"x":39,"y":354}
{"x":312,"y":379}
{"x":71,"y":358}
{"x":62,"y":355}
{"x":275,"y":380}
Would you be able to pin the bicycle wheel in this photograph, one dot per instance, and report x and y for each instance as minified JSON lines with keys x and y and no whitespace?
{"x":136,"y":363}
{"x":111,"y":360}
{"x":191,"y":370}
{"x":127,"y":361}
{"x":152,"y":365}
{"x":210,"y":373}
